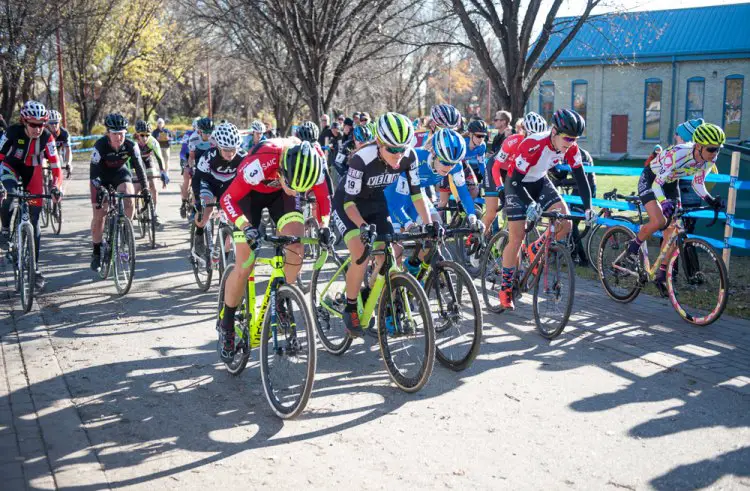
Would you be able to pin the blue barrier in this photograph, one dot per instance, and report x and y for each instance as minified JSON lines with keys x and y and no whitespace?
{"x":636,"y":171}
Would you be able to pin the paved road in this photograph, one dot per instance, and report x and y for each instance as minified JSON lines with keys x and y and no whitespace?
{"x":104,"y":392}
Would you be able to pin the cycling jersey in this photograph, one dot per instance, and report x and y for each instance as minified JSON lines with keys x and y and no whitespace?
{"x":475,"y":157}
{"x":22,"y":157}
{"x":184,"y":150}
{"x":505,"y":157}
{"x":107,"y":162}
{"x":198,"y":146}
{"x":213,"y":174}
{"x":247,"y":142}
{"x":148,"y":150}
{"x":62,"y":139}
{"x":259,"y":173}
{"x":677,"y":162}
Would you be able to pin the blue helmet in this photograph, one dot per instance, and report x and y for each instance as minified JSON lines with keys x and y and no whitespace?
{"x":362,"y":134}
{"x":449,"y":146}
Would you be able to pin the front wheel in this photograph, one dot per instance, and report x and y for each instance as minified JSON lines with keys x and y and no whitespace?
{"x":554,"y":289}
{"x":106,"y":250}
{"x":698,"y":289}
{"x":456,"y":314}
{"x":124,"y":255}
{"x":406,"y":333}
{"x":241,"y":329}
{"x":26,"y":266}
{"x":594,"y":239}
{"x":150,"y":216}
{"x":56,"y":217}
{"x":619,"y":275}
{"x":287,"y":353}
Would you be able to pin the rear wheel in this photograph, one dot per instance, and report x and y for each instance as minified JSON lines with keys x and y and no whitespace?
{"x":201,"y":265}
{"x":328,"y":299}
{"x":554,"y":289}
{"x":311,"y":253}
{"x":491,"y":271}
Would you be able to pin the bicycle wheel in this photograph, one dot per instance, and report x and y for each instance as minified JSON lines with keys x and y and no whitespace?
{"x":406,"y":334}
{"x":202,"y":269}
{"x":594,"y":239}
{"x":225,"y":247}
{"x":620,"y":280}
{"x":328,"y":307}
{"x":140,"y":216}
{"x":287,"y":353}
{"x":56,"y":218}
{"x":151,"y":224}
{"x":106,"y":250}
{"x":554,"y":289}
{"x":491,"y":273}
{"x":310,"y":255}
{"x":123,"y":254}
{"x":26,"y":266}
{"x":456,"y":314}
{"x":241,"y":330}
{"x":698,"y":291}
{"x":45,"y":213}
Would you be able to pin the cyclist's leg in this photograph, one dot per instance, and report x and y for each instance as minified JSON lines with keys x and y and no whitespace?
{"x":550,"y":200}
{"x":490,"y":198}
{"x":471,"y":182}
{"x":9,"y":181}
{"x":356,"y":272}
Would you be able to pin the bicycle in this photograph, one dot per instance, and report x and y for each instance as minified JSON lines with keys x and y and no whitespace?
{"x":51,"y":213}
{"x":275,"y":328}
{"x":220,"y":248}
{"x":21,"y":248}
{"x":400,"y":303}
{"x":466,"y":252}
{"x":550,"y":276}
{"x":118,"y":241}
{"x":623,"y":280}
{"x":146,"y":216}
{"x":453,"y":298}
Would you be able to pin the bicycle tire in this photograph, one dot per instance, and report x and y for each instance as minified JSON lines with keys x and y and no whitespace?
{"x":242,"y":349}
{"x":56,"y":218}
{"x":491,"y":271}
{"x":27,"y":266}
{"x":140,"y":217}
{"x":394,"y":368}
{"x":439,"y":274}
{"x":45,"y":212}
{"x":202,"y":272}
{"x":226,"y":256}
{"x":594,"y":239}
{"x":124,"y":260}
{"x":684,"y":310}
{"x":331,"y":331}
{"x":616,"y":238}
{"x":311,"y":253}
{"x":151,"y":224}
{"x":560,"y":258}
{"x":285,"y":295}
{"x":106,"y":250}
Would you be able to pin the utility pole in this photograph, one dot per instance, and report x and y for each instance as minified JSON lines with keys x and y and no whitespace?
{"x":61,"y":80}
{"x":208,"y":80}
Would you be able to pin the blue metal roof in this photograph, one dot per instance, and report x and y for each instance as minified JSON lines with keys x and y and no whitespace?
{"x":718,"y":32}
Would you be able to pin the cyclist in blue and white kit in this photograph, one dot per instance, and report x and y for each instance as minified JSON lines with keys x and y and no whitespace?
{"x":476,"y":148}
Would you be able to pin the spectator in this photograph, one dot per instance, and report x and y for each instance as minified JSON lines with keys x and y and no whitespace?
{"x":334,"y":146}
{"x":163,"y":136}
{"x":504,"y":130}
{"x":364,"y":118}
{"x":325,"y":130}
{"x":340,"y":118}
{"x":518,"y":126}
{"x":355,"y":118}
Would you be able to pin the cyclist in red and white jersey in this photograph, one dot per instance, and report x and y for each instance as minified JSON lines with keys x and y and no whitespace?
{"x":529,"y":190}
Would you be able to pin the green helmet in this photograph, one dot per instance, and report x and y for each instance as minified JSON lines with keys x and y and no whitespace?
{"x":302,"y":166}
{"x":395,"y":130}
{"x":709,"y":134}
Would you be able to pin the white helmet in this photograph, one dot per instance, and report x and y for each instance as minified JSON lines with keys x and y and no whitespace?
{"x":534,"y":123}
{"x":257,"y":127}
{"x":226,"y":135}
{"x":34,"y":110}
{"x":54,"y":116}
{"x":195,"y":122}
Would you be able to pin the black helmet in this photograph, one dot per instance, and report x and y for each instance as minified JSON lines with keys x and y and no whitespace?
{"x":116,"y":122}
{"x":308,"y":132}
{"x":569,"y":122}
{"x":142,"y":126}
{"x":478,"y":126}
{"x":206,"y":125}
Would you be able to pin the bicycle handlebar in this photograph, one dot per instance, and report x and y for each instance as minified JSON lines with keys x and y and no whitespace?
{"x":28,"y":196}
{"x":368,"y":245}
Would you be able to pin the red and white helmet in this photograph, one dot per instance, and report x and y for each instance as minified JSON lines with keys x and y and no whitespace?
{"x":35,"y":111}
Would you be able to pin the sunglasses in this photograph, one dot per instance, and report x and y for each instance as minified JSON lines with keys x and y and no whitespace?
{"x":479,"y":135}
{"x":568,"y":138}
{"x":36,"y":125}
{"x":142,"y":135}
{"x":712,"y":149}
{"x":395,"y":150}
{"x":363,"y":120}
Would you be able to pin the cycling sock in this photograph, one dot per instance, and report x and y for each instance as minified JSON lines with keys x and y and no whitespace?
{"x":227,"y":318}
{"x":198,"y":231}
{"x":507,"y":278}
{"x":98,"y":248}
{"x":351,"y":305}
{"x":634,"y":245}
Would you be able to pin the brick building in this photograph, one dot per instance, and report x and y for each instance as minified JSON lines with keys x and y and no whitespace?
{"x":637,"y":76}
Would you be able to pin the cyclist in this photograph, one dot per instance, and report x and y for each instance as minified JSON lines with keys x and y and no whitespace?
{"x":270,"y":176}
{"x":214,"y":173}
{"x":199,"y":142}
{"x":494,"y":186}
{"x":476,"y":148}
{"x":185,"y":150}
{"x":309,"y":132}
{"x":24,"y":148}
{"x":109,"y":167}
{"x":256,"y":135}
{"x":362,"y":136}
{"x":62,"y":141}
{"x":529,"y":189}
{"x":658,"y":184}
{"x":360,"y":199}
{"x":150,"y":149}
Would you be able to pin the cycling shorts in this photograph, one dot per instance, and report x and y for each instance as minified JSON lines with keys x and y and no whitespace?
{"x":541,"y":191}
{"x":489,"y":184}
{"x":209,"y":188}
{"x":671,"y":189}
{"x":283,"y":208}
{"x":111,"y":177}
{"x":347,"y":228}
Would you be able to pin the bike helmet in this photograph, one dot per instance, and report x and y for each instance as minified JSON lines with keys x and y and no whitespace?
{"x":308,"y":132}
{"x":362,"y":134}
{"x":395,"y":130}
{"x":195,"y":123}
{"x":302,"y":165}
{"x":445,"y":116}
{"x":449,"y":145}
{"x":142,"y":126}
{"x":257,"y":127}
{"x":116,"y":122}
{"x":373,"y":126}
{"x":478,"y":126}
{"x":534,"y":123}
{"x":54,"y":117}
{"x":709,"y":134}
{"x":34,"y":110}
{"x":569,"y":122}
{"x":205,"y":125}
{"x":226,"y":135}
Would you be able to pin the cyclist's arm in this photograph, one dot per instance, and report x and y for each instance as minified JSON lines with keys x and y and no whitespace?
{"x":155,"y":151}
{"x":137,"y":164}
{"x":50,"y":154}
{"x":415,"y":189}
{"x":699,"y":184}
{"x":664,"y":175}
{"x":584,"y":191}
{"x":323,"y":199}
{"x":352,"y":188}
{"x":94,"y":169}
